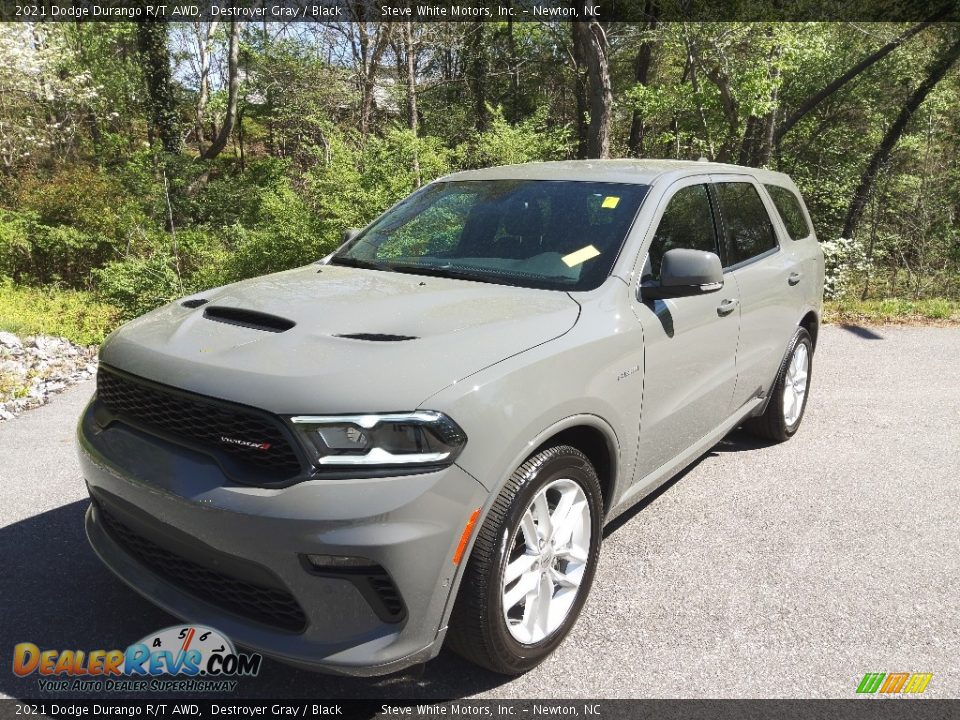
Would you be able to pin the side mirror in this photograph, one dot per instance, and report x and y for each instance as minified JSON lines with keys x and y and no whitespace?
{"x":685,"y":272}
{"x":349,"y":234}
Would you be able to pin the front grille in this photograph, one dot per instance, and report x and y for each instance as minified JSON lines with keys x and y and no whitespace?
{"x":270,"y":606}
{"x":255,"y":440}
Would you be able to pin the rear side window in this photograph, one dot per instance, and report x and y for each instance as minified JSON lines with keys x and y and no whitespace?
{"x":788,"y":205}
{"x":747,"y":230}
{"x":686,"y":223}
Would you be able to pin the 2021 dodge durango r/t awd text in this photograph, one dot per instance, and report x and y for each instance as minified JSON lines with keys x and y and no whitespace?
{"x":419,"y":438}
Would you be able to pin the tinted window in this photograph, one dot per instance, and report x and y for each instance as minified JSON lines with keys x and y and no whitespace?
{"x":788,"y":205}
{"x":686,"y":223}
{"x":550,"y":234}
{"x":747,"y":230}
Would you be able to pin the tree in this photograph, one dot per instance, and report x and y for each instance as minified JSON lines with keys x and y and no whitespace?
{"x":591,"y":40}
{"x":233,"y":93}
{"x":204,"y":32}
{"x":642,"y":65}
{"x":368,"y":42}
{"x":818,"y":97}
{"x":935,"y":73}
{"x":409,"y":51}
{"x":478,"y":68}
{"x":164,"y":118}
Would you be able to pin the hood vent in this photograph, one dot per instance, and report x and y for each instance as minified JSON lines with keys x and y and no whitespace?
{"x":377,"y":337}
{"x":194,"y":303}
{"x":248,"y":318}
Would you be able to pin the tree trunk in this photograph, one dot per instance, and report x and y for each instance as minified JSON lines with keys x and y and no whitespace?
{"x":935,"y":74}
{"x":593,"y":47}
{"x":368,"y":42}
{"x":477,"y":73}
{"x":641,"y":71}
{"x":411,"y":73}
{"x":152,"y":44}
{"x":818,"y":97}
{"x":233,"y":92}
{"x":514,"y":69}
{"x":580,"y":96}
{"x":204,"y":33}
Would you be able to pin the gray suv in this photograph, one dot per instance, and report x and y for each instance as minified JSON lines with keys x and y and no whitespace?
{"x":419,"y":438}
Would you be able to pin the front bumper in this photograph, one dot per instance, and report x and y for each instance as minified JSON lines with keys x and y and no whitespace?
{"x":179,"y":503}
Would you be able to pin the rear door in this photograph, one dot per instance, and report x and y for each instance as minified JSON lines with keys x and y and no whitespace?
{"x":690,"y":342}
{"x":766,"y":271}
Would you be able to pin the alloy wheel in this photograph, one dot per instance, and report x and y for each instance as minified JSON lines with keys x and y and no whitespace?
{"x":545,"y":566}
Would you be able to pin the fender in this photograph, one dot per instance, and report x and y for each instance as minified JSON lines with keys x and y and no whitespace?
{"x":613,"y":446}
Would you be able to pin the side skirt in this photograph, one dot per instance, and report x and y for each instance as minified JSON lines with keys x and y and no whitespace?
{"x":662,"y":474}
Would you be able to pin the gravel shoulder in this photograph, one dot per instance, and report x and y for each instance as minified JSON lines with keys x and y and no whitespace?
{"x":764,"y":571}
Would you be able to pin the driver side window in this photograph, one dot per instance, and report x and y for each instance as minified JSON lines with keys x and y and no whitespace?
{"x":686,"y":223}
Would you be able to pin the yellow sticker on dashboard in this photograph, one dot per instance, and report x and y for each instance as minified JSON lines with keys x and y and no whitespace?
{"x":610,"y":202}
{"x":580,"y":256}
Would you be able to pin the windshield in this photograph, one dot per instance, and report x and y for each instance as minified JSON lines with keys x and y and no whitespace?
{"x":557,"y":235}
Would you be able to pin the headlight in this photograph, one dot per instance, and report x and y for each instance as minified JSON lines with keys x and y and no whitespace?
{"x":419,"y":438}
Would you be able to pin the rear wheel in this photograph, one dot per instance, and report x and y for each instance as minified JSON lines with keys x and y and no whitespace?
{"x":532,"y":564}
{"x":788,"y":399}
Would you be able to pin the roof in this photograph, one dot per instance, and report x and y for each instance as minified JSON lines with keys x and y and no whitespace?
{"x":624,"y":171}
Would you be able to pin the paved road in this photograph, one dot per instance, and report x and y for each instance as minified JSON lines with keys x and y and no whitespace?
{"x":764,"y":571}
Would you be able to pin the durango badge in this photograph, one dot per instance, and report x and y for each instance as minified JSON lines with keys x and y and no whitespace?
{"x":244,"y":443}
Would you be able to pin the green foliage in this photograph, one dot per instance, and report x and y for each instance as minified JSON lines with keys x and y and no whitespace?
{"x":892,"y":310}
{"x":32,"y":252}
{"x":75,"y":315}
{"x":509,"y":144}
{"x":286,"y":235}
{"x":232,"y":197}
{"x":362,"y":180}
{"x":91,"y":200}
{"x":137,"y":285}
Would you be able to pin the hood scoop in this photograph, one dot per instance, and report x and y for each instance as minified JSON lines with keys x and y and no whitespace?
{"x":377,"y":337}
{"x":248,"y":318}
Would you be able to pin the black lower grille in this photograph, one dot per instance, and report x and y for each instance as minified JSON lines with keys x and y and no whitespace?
{"x":270,"y":606}
{"x":389,"y":595}
{"x":254,"y":440}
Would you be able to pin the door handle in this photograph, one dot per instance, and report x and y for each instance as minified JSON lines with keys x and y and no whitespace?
{"x":727,"y":307}
{"x":794,"y":278}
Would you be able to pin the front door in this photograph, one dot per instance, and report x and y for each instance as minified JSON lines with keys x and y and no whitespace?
{"x":690,"y":343}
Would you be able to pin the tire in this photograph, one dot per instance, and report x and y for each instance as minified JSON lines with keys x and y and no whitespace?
{"x":781,"y":419}
{"x":480,"y":630}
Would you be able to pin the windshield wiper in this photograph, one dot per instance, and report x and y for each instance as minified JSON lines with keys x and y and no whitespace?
{"x":437,"y":271}
{"x":356,"y":263}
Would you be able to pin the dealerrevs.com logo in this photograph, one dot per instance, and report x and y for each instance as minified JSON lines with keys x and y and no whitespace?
{"x":182,"y":658}
{"x":894,"y":683}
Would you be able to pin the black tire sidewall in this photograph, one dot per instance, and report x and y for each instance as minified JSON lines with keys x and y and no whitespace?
{"x":802,"y":337}
{"x":563,"y":463}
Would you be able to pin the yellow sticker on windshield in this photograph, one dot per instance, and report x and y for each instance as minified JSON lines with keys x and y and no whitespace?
{"x":580,"y":256}
{"x":610,"y":201}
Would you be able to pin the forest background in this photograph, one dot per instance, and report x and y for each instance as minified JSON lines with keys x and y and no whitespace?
{"x":141,"y":162}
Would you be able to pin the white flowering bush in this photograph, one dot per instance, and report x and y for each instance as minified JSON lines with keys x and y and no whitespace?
{"x":42,"y":102}
{"x":844,"y":258}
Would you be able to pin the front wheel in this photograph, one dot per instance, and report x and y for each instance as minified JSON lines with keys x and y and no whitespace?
{"x":788,"y":398}
{"x":532,"y":564}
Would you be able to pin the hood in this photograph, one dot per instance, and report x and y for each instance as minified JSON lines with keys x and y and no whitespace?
{"x":331,"y":339}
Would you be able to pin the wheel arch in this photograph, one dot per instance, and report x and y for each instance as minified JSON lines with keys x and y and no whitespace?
{"x":594,"y":438}
{"x":811,"y":323}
